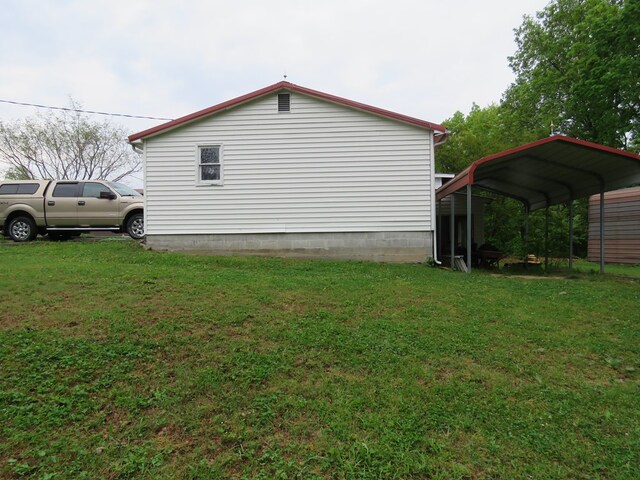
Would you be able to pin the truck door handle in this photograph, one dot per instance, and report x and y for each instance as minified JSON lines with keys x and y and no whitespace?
{"x":51,"y":203}
{"x":81,"y":203}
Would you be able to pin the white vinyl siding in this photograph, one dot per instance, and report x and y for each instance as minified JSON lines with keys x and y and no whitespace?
{"x":321,"y":168}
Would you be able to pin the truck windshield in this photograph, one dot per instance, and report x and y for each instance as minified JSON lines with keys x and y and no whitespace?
{"x":124,"y":189}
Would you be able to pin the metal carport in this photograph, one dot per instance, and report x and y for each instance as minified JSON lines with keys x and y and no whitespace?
{"x":551,"y":171}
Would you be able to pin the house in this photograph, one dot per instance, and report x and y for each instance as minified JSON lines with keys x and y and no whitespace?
{"x":621,"y":226}
{"x":287,"y":170}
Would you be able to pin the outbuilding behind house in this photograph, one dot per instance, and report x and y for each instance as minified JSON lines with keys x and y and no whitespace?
{"x":621,"y":226}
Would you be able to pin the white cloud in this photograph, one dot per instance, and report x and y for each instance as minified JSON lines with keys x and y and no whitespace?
{"x":168,"y":58}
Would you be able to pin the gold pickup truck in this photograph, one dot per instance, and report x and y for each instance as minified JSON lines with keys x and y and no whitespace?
{"x":64,"y":208}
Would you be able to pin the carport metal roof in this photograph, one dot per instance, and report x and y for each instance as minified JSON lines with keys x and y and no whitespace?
{"x":550,"y":171}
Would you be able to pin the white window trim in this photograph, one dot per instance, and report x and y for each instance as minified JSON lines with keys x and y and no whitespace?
{"x":199,"y":181}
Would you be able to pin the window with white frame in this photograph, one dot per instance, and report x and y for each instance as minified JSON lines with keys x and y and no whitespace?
{"x":210,"y":164}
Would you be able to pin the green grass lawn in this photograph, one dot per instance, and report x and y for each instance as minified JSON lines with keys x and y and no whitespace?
{"x":122,"y":363}
{"x":610,"y":268}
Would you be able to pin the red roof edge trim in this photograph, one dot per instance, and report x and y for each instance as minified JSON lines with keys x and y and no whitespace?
{"x":467,"y":176}
{"x":207,"y":111}
{"x":367,"y":108}
{"x":552,"y":138}
{"x":291,"y":87}
{"x":453,"y":185}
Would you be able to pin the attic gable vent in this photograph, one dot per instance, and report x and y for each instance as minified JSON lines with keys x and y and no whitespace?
{"x":284,"y":102}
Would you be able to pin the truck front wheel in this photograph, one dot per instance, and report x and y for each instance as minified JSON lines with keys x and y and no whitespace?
{"x":135,"y":226}
{"x":22,"y":229}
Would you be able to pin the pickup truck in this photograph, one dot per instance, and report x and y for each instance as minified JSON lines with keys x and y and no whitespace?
{"x":65,"y":208}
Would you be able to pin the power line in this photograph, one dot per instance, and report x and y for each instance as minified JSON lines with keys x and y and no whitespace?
{"x":66,"y":109}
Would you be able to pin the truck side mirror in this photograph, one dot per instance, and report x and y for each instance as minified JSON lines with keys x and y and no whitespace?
{"x":108,"y":195}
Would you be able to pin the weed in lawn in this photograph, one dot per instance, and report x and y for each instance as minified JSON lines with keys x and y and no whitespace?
{"x":124,"y":363}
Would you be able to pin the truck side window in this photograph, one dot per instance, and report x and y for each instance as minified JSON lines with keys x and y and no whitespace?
{"x":66,"y":190}
{"x":28,"y":188}
{"x":93,"y":189}
{"x":19,"y":188}
{"x":8,"y":189}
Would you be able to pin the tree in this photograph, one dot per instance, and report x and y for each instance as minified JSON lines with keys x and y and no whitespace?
{"x":489,"y":130}
{"x":482,"y":132}
{"x":577,"y":67}
{"x":66,"y":145}
{"x":17,"y":174}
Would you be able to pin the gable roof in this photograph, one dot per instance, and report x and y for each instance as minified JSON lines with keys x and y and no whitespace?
{"x":292,"y":88}
{"x":550,"y":171}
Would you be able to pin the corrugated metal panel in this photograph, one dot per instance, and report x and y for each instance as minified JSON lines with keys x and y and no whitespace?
{"x":320,"y":168}
{"x":621,"y":226}
{"x":550,"y":171}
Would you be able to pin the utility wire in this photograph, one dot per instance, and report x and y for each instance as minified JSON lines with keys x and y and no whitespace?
{"x":82,"y":111}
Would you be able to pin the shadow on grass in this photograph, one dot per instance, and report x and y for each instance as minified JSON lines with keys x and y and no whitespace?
{"x":560,"y":269}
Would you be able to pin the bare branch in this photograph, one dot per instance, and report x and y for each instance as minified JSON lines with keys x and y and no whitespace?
{"x":67,"y":145}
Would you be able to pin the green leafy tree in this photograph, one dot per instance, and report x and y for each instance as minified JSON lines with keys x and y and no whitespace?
{"x":66,"y":145}
{"x":577,"y":67}
{"x":505,"y":227}
{"x":482,"y":132}
{"x":15,"y":173}
{"x":490,"y":130}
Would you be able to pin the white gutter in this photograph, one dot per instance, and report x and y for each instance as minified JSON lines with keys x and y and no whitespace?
{"x":434,"y":221}
{"x":434,"y":213}
{"x":138,"y":147}
{"x":444,"y":136}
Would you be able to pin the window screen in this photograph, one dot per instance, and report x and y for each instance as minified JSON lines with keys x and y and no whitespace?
{"x":209,"y":164}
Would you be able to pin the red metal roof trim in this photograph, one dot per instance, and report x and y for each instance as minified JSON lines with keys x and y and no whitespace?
{"x":456,"y":183}
{"x":364,"y":107}
{"x":467,"y":176}
{"x":553,"y":138}
{"x":293,"y":88}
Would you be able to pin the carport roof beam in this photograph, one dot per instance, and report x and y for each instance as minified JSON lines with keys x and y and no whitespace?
{"x":565,"y":169}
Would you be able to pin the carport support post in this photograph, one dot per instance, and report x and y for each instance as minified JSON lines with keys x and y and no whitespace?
{"x":525,"y":240}
{"x":546,"y":238}
{"x":571,"y":234}
{"x":468,"y":228}
{"x":439,"y":251}
{"x":452,"y":226}
{"x":602,"y":230}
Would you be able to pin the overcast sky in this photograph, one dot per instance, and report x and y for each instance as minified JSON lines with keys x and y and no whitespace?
{"x":165,"y":58}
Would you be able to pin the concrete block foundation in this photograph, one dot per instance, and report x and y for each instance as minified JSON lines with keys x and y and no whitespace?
{"x":398,"y":247}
